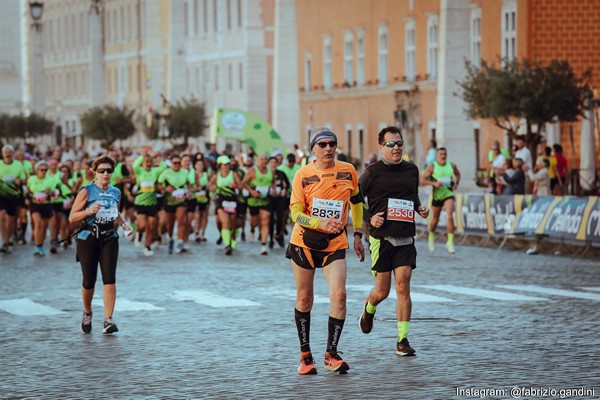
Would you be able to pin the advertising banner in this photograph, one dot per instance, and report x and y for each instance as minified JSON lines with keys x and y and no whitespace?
{"x":472,"y":215}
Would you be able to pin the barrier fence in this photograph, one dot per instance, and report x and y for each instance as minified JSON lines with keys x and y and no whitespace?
{"x":564,"y":217}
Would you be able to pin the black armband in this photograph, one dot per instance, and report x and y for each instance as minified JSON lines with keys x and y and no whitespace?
{"x":357,"y":198}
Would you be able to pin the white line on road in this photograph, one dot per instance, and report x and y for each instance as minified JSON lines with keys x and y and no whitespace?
{"x":554,"y":292}
{"x":212,"y":299}
{"x":129,"y":305}
{"x":595,"y":289}
{"x":26,"y":307}
{"x":415,"y":297}
{"x":489,"y":294}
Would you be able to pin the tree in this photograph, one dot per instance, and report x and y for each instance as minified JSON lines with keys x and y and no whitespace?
{"x":524,"y":91}
{"x":107,"y":124}
{"x":13,"y":126}
{"x":187,"y":119}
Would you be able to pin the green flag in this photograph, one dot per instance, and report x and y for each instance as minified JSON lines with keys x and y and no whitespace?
{"x":248,"y":128}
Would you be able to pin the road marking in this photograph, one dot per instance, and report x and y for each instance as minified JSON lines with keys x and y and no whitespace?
{"x":128,"y":305}
{"x":26,"y":307}
{"x":414,"y":296}
{"x":595,"y":289}
{"x":554,"y":292}
{"x":212,"y":299}
{"x":489,"y":294}
{"x":291,"y":294}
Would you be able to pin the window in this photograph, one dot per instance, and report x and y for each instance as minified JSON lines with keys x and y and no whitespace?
{"x":307,"y":71}
{"x":196,"y":18}
{"x":409,"y":49}
{"x":205,"y":15}
{"x":327,"y":67}
{"x":241,"y":75}
{"x":122,"y":30}
{"x":383,"y":54}
{"x":215,"y":21}
{"x":348,"y":58}
{"x":239,"y":13}
{"x":476,"y":36}
{"x":509,"y":30}
{"x":360,"y":57}
{"x":432,"y":47}
{"x":230,"y":76}
{"x":228,"y":11}
{"x":198,"y":80}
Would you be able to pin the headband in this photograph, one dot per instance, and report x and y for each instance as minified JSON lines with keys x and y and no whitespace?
{"x":322,"y":135}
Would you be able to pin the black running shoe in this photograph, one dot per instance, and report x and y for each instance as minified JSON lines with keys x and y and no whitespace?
{"x":220,"y":240}
{"x":228,"y":250}
{"x":109,"y":326}
{"x":403,"y":348}
{"x":366,"y":319}
{"x":271,"y":244}
{"x":86,"y":323}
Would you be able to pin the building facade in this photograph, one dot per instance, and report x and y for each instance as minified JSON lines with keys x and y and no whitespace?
{"x":14,"y":97}
{"x":366,"y":64}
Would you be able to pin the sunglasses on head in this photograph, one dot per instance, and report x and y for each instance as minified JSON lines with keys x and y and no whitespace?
{"x":391,"y":144}
{"x":325,"y":144}
{"x":104,"y":170}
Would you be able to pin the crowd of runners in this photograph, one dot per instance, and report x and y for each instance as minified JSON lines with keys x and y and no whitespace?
{"x":166,"y":197}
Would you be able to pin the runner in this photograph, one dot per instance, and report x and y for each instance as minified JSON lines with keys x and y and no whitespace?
{"x":201,"y":199}
{"x":12,"y":177}
{"x":279,"y":204}
{"x":391,"y":186}
{"x":145,"y":201}
{"x":259,"y":181}
{"x":444,"y":177}
{"x":97,"y":206}
{"x":174,"y":183}
{"x":224,"y":184}
{"x":40,"y":189}
{"x":289,"y":169}
{"x":322,"y":193}
{"x":22,"y":209}
{"x":67,"y":188}
{"x":57,"y":205}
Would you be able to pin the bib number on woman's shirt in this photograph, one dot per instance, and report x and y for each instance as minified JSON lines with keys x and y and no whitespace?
{"x":40,"y":197}
{"x":146,"y":186}
{"x":201,"y":195}
{"x":229,"y":206}
{"x":401,"y":210}
{"x":263,"y":191}
{"x":179,"y":194}
{"x":325,"y":209}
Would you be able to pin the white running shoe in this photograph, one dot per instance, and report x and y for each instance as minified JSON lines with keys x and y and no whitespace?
{"x":138,"y":240}
{"x":263,"y":250}
{"x":450,"y":247}
{"x":148,"y":252}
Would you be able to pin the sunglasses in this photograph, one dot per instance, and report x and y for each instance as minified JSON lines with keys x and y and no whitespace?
{"x":176,"y":162}
{"x":104,"y":170}
{"x":391,"y":144}
{"x":325,"y":144}
{"x":43,"y":169}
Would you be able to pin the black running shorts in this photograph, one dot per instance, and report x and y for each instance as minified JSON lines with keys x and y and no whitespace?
{"x":311,"y":259}
{"x":387,"y":257}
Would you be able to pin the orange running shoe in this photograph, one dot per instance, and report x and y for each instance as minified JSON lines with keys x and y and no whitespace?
{"x":335,"y":363}
{"x":307,"y":364}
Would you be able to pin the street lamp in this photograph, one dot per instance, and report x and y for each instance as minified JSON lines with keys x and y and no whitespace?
{"x":36,"y":8}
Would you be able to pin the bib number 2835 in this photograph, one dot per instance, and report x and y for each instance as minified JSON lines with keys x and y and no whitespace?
{"x":324,"y":209}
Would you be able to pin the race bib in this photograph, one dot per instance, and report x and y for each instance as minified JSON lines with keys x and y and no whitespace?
{"x":9,"y":179}
{"x":201,"y":195}
{"x":105,"y":215}
{"x":245,"y":193}
{"x":401,"y":210}
{"x":179,"y":194}
{"x":229,"y":206}
{"x":146,"y":186}
{"x":40,"y":197}
{"x":55,"y":195}
{"x":324,"y":209}
{"x":263,"y":191}
{"x":67,"y":204}
{"x":446,"y":181}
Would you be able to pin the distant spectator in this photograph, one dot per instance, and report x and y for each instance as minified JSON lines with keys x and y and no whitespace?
{"x":540,"y":177}
{"x":431,"y":154}
{"x":515,"y":182}
{"x":496,"y":160}
{"x":211,"y":155}
{"x":562,"y":169}
{"x":523,"y":153}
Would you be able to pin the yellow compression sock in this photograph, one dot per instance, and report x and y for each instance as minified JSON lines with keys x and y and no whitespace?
{"x":451,"y":238}
{"x":403,"y":327}
{"x":226,"y":235}
{"x":371,"y":308}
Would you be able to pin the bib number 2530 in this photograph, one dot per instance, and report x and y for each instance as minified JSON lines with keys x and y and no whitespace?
{"x":401,"y":210}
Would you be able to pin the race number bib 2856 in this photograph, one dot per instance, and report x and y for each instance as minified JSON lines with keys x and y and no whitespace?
{"x":401,"y":210}
{"x":324,"y":209}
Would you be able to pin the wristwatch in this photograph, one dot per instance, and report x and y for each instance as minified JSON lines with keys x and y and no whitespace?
{"x":359,"y":234}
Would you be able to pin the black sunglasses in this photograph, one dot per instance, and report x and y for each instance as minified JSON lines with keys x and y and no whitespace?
{"x":176,"y":162}
{"x":43,"y":169}
{"x":325,"y":144}
{"x":104,"y":170}
{"x":391,"y":144}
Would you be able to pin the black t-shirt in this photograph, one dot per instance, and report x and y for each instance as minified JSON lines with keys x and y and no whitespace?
{"x":381,"y":182}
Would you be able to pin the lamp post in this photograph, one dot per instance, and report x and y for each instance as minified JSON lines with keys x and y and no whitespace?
{"x":36,"y":9}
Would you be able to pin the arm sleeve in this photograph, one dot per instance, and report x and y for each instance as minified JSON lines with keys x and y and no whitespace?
{"x":357,"y":215}
{"x":302,"y":219}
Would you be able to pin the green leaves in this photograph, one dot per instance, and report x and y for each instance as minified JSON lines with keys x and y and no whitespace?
{"x":12,"y":126}
{"x":187,"y":119}
{"x":107,"y":124}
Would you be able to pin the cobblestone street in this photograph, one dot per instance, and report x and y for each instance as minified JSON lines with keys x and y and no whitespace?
{"x":202,"y":325}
